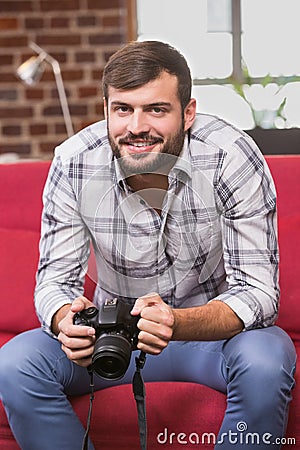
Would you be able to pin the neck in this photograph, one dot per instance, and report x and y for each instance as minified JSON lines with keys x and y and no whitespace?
{"x":151,"y":188}
{"x":148,"y":181}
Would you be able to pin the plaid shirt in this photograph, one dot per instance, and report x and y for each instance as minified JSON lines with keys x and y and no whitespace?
{"x":214,"y":239}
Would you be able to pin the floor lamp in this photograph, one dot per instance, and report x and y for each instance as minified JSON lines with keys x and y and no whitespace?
{"x":31,"y":71}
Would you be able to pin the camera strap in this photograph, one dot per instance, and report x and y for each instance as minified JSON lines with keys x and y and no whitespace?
{"x":85,"y":443}
{"x":139,"y":392}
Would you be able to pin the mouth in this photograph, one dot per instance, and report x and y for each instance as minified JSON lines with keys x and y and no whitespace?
{"x":140,"y":145}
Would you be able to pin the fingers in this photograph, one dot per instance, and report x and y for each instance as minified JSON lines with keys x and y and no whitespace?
{"x":79,"y":351}
{"x":155,"y":340}
{"x":156,"y":330}
{"x":77,"y":341}
{"x":156,"y":323}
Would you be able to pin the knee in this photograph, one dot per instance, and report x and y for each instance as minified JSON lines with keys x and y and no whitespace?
{"x":266,"y":358}
{"x":19,"y":358}
{"x":10,"y":381}
{"x":23,"y":369}
{"x":7,"y":362}
{"x":260,"y":370}
{"x":12,"y":357}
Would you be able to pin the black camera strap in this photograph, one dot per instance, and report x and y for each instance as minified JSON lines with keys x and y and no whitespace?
{"x":139,"y":392}
{"x":85,"y":443}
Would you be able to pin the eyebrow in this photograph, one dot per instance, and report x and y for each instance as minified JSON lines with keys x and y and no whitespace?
{"x":155,"y":104}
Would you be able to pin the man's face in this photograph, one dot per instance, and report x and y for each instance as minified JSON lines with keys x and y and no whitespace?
{"x":147,"y":123}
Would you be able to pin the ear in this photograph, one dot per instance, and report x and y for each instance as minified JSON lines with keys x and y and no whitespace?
{"x":189,"y":114}
{"x":105,"y":108}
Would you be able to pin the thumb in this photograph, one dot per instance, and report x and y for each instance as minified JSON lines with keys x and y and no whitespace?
{"x":80,"y":303}
{"x":146,"y":300}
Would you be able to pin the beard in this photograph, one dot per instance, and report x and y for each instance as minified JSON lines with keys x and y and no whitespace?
{"x":149,"y":162}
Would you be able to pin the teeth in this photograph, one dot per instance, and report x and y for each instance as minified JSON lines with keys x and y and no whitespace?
{"x":141,"y":144}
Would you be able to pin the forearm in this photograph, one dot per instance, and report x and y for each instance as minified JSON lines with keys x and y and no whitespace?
{"x":50,"y":297}
{"x":212,"y":321}
{"x":159,"y":323}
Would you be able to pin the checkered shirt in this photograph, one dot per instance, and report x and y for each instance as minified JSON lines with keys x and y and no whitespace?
{"x":215,"y":238}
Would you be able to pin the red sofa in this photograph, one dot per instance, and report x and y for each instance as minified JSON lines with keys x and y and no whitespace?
{"x":114,"y":420}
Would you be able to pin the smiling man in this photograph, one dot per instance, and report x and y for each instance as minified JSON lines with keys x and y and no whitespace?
{"x":143,"y":129}
{"x":181,"y":211}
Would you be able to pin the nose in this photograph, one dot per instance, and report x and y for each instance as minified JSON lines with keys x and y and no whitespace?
{"x":138,"y":123}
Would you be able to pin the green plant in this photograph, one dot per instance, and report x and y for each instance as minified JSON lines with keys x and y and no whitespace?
{"x":264,"y":118}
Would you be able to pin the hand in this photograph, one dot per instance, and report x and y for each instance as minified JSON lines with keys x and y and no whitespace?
{"x":77,"y":341}
{"x":156,"y":323}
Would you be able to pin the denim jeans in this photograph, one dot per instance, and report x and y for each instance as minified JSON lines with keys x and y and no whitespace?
{"x":255,"y":368}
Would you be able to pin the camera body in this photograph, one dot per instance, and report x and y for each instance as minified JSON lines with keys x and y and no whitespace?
{"x":116,"y":336}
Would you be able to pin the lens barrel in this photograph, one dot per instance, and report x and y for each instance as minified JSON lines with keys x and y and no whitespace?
{"x":111,"y":356}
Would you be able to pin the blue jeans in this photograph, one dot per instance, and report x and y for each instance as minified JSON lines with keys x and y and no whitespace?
{"x":255,"y":369}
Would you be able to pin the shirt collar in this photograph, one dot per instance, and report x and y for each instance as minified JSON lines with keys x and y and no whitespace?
{"x":183,"y":164}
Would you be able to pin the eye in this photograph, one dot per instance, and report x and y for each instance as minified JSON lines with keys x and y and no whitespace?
{"x":158,"y":110}
{"x":122,"y":108}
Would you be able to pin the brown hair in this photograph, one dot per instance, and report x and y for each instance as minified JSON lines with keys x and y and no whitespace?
{"x":140,"y":62}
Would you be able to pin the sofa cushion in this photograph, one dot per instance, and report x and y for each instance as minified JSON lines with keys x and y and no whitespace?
{"x":201,"y":414}
{"x":5,"y":336}
{"x":21,"y":187}
{"x":289,"y":245}
{"x":201,"y":411}
{"x":18,"y":264}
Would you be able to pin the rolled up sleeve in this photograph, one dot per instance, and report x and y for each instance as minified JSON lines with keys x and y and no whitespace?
{"x":247,"y":198}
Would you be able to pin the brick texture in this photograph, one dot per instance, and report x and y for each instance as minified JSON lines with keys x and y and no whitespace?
{"x":81,"y":35}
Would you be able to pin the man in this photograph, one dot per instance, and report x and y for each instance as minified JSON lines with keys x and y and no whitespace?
{"x":181,"y":211}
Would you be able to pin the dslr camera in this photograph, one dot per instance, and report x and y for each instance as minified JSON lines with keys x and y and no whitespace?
{"x":116,"y":337}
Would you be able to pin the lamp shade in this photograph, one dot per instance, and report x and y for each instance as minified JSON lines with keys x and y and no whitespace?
{"x":31,"y":70}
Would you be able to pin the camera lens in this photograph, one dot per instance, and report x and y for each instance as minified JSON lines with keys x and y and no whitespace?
{"x":111,"y":356}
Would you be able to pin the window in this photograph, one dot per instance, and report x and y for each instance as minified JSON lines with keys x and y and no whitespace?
{"x":250,"y":41}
